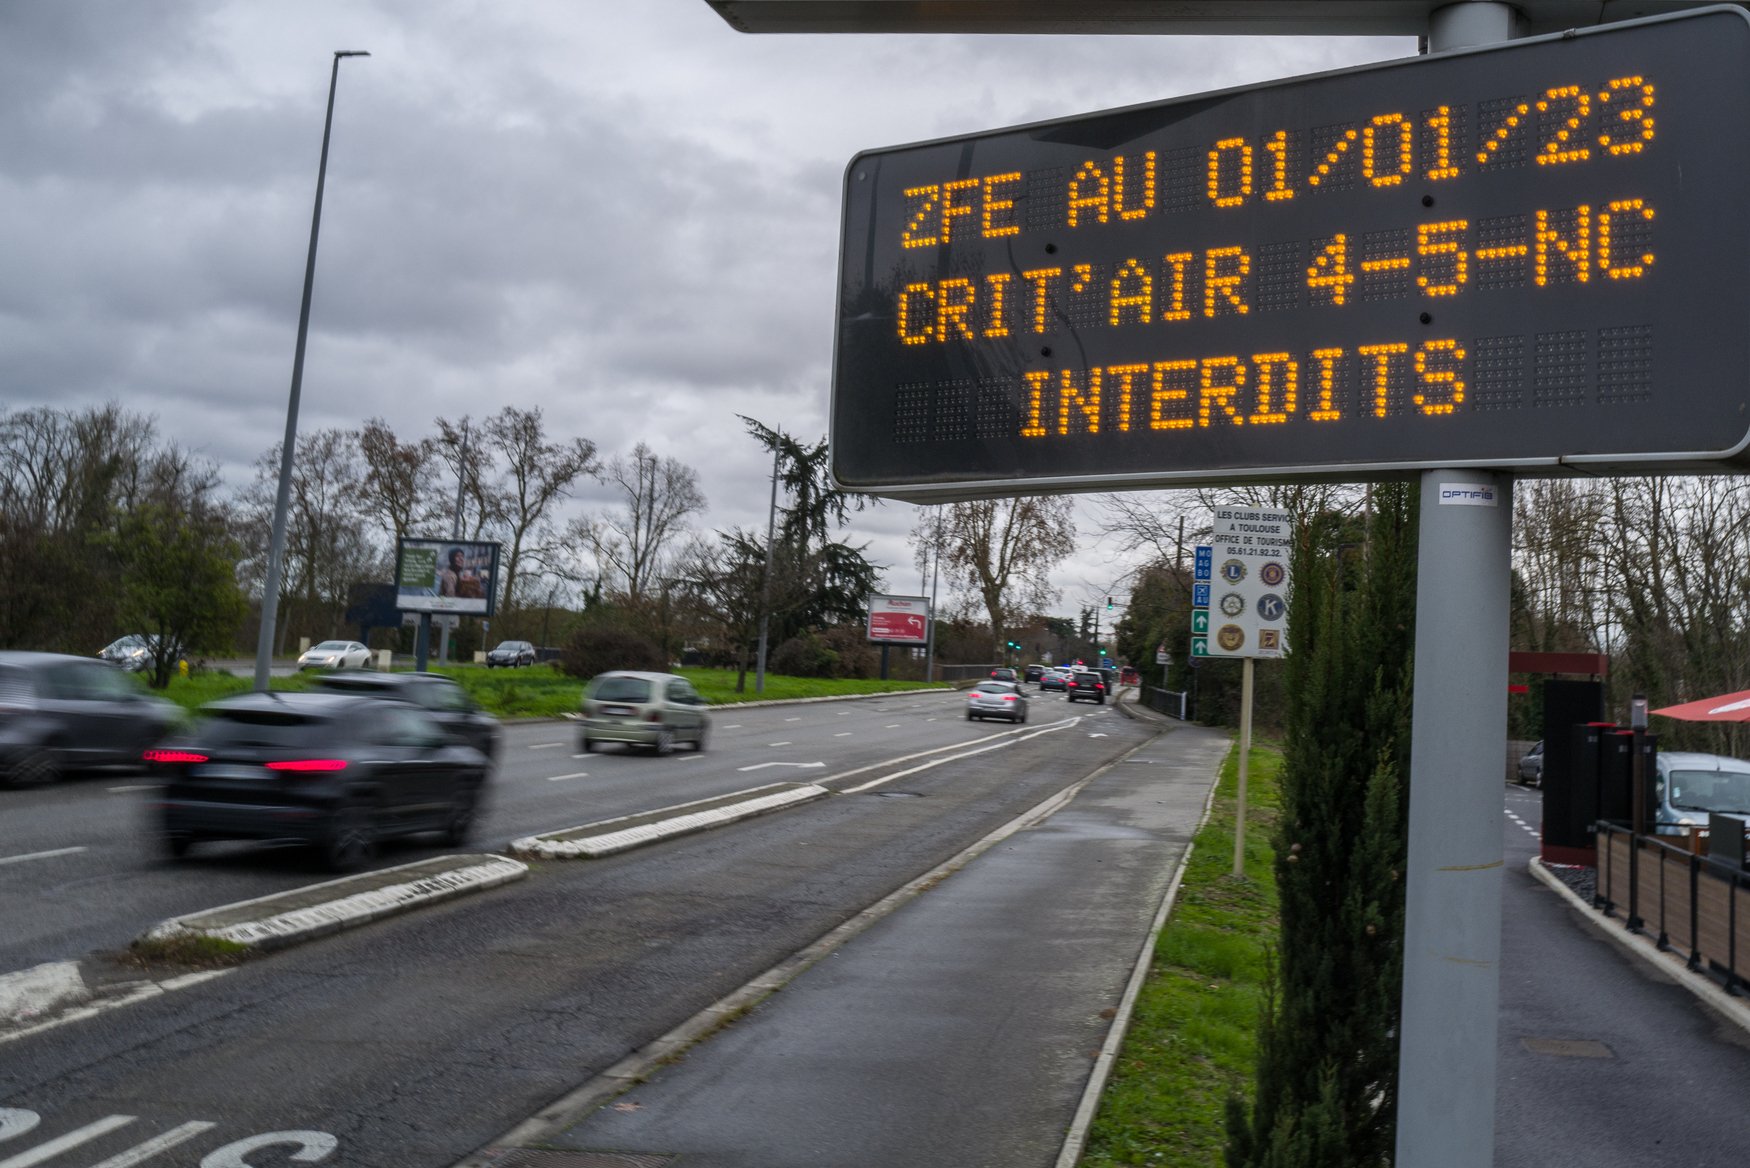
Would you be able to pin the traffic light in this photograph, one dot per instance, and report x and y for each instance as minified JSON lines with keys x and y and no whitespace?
{"x":1108,"y":604}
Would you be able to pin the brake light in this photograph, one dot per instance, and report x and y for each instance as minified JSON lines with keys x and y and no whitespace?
{"x":1008,"y":697}
{"x":308,"y":764}
{"x":156,"y":755}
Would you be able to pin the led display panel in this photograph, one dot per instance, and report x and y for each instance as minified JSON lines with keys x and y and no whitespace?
{"x":1529,"y":257}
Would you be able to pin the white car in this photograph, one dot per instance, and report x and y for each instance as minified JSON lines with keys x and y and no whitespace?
{"x":335,"y":655}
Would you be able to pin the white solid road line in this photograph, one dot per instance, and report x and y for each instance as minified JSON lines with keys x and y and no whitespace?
{"x":39,"y":855}
{"x":760,"y":766}
{"x":935,"y":762}
{"x":560,"y":778}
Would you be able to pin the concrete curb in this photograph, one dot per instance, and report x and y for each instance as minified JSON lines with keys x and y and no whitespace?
{"x":287,"y":918}
{"x":609,"y":836}
{"x":1644,"y":946}
{"x":1075,"y":1140}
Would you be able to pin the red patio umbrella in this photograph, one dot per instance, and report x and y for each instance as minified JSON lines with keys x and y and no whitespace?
{"x":1732,"y":707}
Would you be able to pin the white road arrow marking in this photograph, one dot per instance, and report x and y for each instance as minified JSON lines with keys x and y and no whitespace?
{"x":762,"y":765}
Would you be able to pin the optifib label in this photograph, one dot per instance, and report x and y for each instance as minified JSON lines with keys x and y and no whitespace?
{"x":1469,"y":495}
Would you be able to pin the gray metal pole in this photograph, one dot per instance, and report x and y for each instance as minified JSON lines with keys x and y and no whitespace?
{"x":455,"y":533}
{"x":1452,"y":913}
{"x":759,"y":677}
{"x":935,"y":575}
{"x":276,"y":548}
{"x":1452,"y":909}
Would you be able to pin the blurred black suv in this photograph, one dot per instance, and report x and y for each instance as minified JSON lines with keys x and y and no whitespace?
{"x":335,"y":770}
{"x":434,"y":693}
{"x":60,"y":713}
{"x":1086,"y":685}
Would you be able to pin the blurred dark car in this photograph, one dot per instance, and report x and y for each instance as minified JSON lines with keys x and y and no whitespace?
{"x":60,"y":713}
{"x":1054,"y":679}
{"x":1033,"y":672}
{"x":1086,"y":685}
{"x":511,"y":654}
{"x":1002,"y":673}
{"x":338,"y":771}
{"x":434,"y":693}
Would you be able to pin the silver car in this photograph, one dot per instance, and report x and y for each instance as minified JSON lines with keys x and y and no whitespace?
{"x":653,"y":710}
{"x":1690,"y":786}
{"x":996,"y":699}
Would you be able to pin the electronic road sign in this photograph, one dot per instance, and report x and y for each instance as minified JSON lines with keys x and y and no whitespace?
{"x":1530,"y":256}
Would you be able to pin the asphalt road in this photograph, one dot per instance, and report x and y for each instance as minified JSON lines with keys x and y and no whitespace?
{"x":416,"y":1040}
{"x":79,"y":874}
{"x":1603,"y":1060}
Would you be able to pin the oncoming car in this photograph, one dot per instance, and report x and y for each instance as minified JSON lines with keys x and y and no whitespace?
{"x":652,"y":710}
{"x":996,"y":699}
{"x":1691,"y":786}
{"x":335,"y":655}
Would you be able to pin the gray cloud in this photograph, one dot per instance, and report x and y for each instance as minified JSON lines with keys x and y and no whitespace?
{"x":626,"y":214}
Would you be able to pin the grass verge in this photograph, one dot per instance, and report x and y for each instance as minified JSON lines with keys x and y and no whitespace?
{"x":1193,"y":1035}
{"x":544,"y":692}
{"x":187,"y":951}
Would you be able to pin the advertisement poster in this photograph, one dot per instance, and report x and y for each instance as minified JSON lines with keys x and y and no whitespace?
{"x":446,"y":575}
{"x":899,"y":620}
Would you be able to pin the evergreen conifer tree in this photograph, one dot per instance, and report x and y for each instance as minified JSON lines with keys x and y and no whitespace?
{"x":1326,"y":1089}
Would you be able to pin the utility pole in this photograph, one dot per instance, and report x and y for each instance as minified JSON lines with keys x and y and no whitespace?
{"x":759,"y":677}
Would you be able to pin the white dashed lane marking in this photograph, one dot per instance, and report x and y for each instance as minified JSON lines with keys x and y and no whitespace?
{"x":842,"y":734}
{"x":1529,"y":830}
{"x":777,"y":744}
{"x":562,"y":778}
{"x":544,"y":745}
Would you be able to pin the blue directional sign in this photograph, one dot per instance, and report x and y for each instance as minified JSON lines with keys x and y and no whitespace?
{"x":1204,"y":562}
{"x":1200,"y":596}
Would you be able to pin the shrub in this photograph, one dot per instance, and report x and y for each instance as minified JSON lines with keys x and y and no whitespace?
{"x":804,"y":656}
{"x":598,"y":650}
{"x":856,"y":656}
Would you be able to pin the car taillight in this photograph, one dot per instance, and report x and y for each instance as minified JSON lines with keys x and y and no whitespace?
{"x":157,"y":755}
{"x":1008,"y":697}
{"x":653,"y":716}
{"x":308,"y":764}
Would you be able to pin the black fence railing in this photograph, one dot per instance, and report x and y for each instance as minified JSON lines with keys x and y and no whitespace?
{"x":1691,"y":900}
{"x":1171,"y":702}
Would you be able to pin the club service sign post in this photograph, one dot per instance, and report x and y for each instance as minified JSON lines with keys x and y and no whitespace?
{"x":1506,"y":258}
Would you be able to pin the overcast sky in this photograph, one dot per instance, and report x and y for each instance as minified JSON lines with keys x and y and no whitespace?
{"x":621,"y":211}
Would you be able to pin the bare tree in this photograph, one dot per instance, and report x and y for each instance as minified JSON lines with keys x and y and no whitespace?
{"x":1002,"y":550}
{"x":537,"y":474}
{"x":399,"y":489}
{"x":325,"y":551}
{"x":658,"y":494}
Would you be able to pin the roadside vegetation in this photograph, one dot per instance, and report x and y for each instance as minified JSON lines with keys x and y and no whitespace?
{"x":544,"y":692}
{"x":1192,"y":1040}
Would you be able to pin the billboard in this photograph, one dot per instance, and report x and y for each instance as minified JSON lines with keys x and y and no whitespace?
{"x":899,"y":620}
{"x":1527,"y":256}
{"x":446,"y":575}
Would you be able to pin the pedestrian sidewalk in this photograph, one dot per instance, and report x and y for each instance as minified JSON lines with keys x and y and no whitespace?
{"x":962,"y":1029}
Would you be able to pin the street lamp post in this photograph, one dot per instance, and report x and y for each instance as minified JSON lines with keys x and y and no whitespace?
{"x":277,"y":545}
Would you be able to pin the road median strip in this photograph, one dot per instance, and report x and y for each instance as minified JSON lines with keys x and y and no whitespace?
{"x":608,"y":836}
{"x":285,"y":918}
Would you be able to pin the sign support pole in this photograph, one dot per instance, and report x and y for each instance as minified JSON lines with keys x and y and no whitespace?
{"x":1452,"y":909}
{"x":1246,"y":670}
